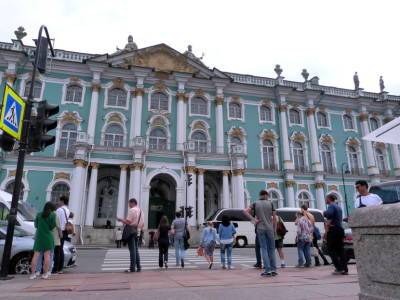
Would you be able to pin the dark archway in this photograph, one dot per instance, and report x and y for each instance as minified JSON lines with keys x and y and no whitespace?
{"x":162,"y":199}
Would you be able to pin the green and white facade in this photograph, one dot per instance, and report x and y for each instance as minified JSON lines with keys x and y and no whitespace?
{"x":133,"y":122}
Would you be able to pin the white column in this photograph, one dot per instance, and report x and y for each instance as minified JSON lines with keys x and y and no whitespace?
{"x":77,"y":189}
{"x":200,"y":197}
{"x":239,"y":189}
{"x":372,"y":169}
{"x":122,"y":203}
{"x":396,"y":159}
{"x":219,"y":115}
{"x":191,"y":201}
{"x":287,"y":162}
{"x":139,"y":92}
{"x":319,"y":191}
{"x":225,"y":190}
{"x":93,"y":111}
{"x":312,"y":131}
{"x":91,"y":203}
{"x":289,"y":184}
{"x":134,"y":182}
{"x":181,"y":121}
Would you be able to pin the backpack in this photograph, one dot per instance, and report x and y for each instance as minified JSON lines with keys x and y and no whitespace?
{"x":317,"y":233}
{"x":280,"y":228}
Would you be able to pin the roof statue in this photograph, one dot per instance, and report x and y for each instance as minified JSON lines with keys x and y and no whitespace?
{"x":305,"y":74}
{"x":278,"y":70}
{"x":131,"y":44}
{"x":20,"y":33}
{"x":356,"y":81}
{"x":189,"y":53}
{"x":381,"y":84}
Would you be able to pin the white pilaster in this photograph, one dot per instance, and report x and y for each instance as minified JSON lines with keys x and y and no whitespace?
{"x":225,"y":190}
{"x":91,"y":203}
{"x":312,"y":131}
{"x":200,"y":197}
{"x":191,"y":201}
{"x":181,"y":121}
{"x":134,"y":182}
{"x":219,"y":115}
{"x":287,"y":161}
{"x":319,"y":191}
{"x":77,"y":189}
{"x":289,"y":184}
{"x":122,"y":203}
{"x":239,"y":189}
{"x":371,"y":164}
{"x":93,"y":111}
{"x":139,"y":92}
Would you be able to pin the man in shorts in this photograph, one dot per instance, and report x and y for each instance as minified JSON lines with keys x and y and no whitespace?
{"x":279,"y":237}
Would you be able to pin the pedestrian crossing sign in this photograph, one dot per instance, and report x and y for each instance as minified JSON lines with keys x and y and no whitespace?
{"x":12,"y":113}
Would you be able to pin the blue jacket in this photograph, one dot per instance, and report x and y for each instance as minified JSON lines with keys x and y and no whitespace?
{"x":208,"y":235}
{"x":226,"y":232}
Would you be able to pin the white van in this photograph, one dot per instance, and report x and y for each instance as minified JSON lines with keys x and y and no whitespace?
{"x":25,"y":216}
{"x":245,"y":229}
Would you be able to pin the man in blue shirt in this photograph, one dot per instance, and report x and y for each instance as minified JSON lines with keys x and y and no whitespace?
{"x":335,"y":235}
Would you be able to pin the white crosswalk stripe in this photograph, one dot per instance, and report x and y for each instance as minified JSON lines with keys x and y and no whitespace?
{"x":118,"y":260}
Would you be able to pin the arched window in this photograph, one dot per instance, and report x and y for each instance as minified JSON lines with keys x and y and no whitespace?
{"x":37,"y":89}
{"x":380,"y":159}
{"x":374,"y":124}
{"x":354,"y":160}
{"x":198,"y":106}
{"x":158,"y":139}
{"x":200,"y":140}
{"x":269,"y":155}
{"x":58,"y":190}
{"x":114,"y":136}
{"x":274,"y":197}
{"x":265,"y":113}
{"x":322,"y":119}
{"x":327,"y":158}
{"x":69,"y":133}
{"x":236,"y":140}
{"x":117,"y":97}
{"x":10,"y":189}
{"x":304,"y":198}
{"x":298,"y":156}
{"x":348,"y":122}
{"x":235,"y":110}
{"x":74,"y":93}
{"x":159,"y":101}
{"x":294,"y":116}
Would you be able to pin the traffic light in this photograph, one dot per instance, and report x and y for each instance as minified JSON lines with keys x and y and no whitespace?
{"x":189,"y":179}
{"x":38,"y":138}
{"x":182,"y":210}
{"x":6,"y":142}
{"x":189,"y":211}
{"x":42,"y":47}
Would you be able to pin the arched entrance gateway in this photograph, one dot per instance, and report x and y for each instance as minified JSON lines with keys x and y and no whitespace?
{"x":162,"y":199}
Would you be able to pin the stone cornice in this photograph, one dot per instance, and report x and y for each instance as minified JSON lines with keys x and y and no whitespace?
{"x":80,"y":163}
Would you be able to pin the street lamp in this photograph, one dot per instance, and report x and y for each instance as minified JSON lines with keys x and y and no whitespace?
{"x":345,"y":170}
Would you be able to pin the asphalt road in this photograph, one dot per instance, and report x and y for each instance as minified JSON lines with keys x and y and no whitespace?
{"x":96,"y":260}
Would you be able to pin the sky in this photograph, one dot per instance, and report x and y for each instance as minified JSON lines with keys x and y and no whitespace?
{"x":331,"y":39}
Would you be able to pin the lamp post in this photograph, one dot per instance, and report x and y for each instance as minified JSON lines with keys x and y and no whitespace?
{"x":345,"y":170}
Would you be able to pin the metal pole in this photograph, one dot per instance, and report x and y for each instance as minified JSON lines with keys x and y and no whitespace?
{"x":12,"y":217}
{"x":344,"y":190}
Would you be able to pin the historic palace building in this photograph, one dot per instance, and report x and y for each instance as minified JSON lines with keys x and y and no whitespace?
{"x":134,"y":122}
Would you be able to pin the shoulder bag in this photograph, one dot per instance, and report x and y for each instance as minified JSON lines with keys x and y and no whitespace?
{"x":69,"y":227}
{"x":131,"y":230}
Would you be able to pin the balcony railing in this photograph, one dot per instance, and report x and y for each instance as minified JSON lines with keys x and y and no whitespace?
{"x":355,"y":171}
{"x":301,"y":169}
{"x":272,"y":168}
{"x":69,"y":153}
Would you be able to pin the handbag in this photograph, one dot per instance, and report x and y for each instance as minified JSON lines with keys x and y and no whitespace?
{"x":69,"y":227}
{"x":200,"y":251}
{"x":131,"y":230}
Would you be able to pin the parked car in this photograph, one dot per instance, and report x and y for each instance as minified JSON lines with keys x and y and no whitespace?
{"x":21,"y":251}
{"x":245,"y":229}
{"x":388,"y":191}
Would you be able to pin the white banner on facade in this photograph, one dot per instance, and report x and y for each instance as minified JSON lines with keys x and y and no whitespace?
{"x":388,"y":133}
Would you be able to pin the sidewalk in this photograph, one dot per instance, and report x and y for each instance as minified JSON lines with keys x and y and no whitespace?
{"x":314,"y":283}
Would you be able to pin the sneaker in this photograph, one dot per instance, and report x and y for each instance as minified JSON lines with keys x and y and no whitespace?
{"x":45,"y":276}
{"x":283,"y":265}
{"x":33,"y":276}
{"x":166,"y":265}
{"x":266,"y":274}
{"x":48,"y":273}
{"x":257,"y":266}
{"x":37,"y":273}
{"x":60,"y":272}
{"x":129,"y":271}
{"x":274,"y":273}
{"x":230,"y":268}
{"x":307,"y":266}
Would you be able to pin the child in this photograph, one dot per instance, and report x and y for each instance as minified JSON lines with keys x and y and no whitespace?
{"x":208,"y":241}
{"x":118,"y":237}
{"x":226,"y":232}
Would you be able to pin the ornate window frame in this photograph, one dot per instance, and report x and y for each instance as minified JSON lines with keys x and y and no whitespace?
{"x":310,"y":195}
{"x":354,"y":142}
{"x":112,"y":118}
{"x":25,"y":78}
{"x":279,"y":193}
{"x":53,"y":183}
{"x":269,"y":134}
{"x":300,"y":137}
{"x":161,"y":88}
{"x":64,"y":118}
{"x":165,"y":126}
{"x":117,"y":83}
{"x":300,"y":109}
{"x":271,"y":106}
{"x":328,"y":118}
{"x":327,"y":139}
{"x":206,"y":97}
{"x":385,"y":153}
{"x":239,"y":132}
{"x":71,"y":82}
{"x":11,"y":177}
{"x":378,"y":122}
{"x":202,"y":126}
{"x":353,"y":117}
{"x":238,"y":100}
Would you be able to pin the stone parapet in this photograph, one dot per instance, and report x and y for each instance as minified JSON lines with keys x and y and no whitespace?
{"x":376,"y":235}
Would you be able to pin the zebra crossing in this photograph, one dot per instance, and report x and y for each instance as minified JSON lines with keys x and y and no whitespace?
{"x":118,"y":260}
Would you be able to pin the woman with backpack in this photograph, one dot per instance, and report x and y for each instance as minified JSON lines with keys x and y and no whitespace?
{"x":208,"y":241}
{"x":226,"y":233}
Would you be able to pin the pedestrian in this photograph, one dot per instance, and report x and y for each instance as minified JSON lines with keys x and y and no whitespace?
{"x":45,"y":222}
{"x":163,"y":242}
{"x":226,"y":233}
{"x":365,"y":198}
{"x":118,"y":237}
{"x":178,"y":230}
{"x":133,"y":223}
{"x":303,"y":239}
{"x":208,"y":242}
{"x":62,"y":212}
{"x":316,"y":237}
{"x":311,"y":218}
{"x":265,"y":218}
{"x":279,"y":237}
{"x":57,"y":234}
{"x":335,"y":235}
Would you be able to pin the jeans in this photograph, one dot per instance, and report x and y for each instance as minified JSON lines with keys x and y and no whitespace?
{"x":267,"y":244}
{"x":134,"y":254}
{"x":179,"y":250}
{"x":162,"y":253}
{"x":258,"y":251}
{"x":40,"y":262}
{"x":228,"y":249}
{"x":304,"y":249}
{"x":335,"y":237}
